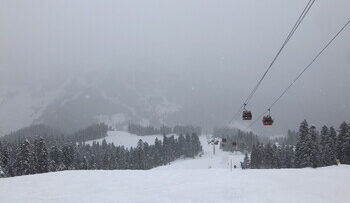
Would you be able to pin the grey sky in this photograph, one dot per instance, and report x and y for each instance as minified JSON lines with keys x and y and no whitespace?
{"x":218,"y":48}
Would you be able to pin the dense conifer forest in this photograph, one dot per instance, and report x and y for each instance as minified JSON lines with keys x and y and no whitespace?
{"x":35,"y":150}
{"x":313,"y":148}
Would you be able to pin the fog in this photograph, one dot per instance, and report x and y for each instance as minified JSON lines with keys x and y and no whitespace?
{"x":203,"y":56}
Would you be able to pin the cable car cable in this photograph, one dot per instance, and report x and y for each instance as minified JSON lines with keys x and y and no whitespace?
{"x":302,"y":72}
{"x":296,"y":25}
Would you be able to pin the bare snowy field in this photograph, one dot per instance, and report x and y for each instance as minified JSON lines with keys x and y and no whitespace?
{"x":188,"y":180}
{"x":181,"y":185}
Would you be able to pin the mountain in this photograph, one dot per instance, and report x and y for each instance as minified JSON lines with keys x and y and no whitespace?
{"x":79,"y":101}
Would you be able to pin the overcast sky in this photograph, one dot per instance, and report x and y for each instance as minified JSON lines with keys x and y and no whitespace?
{"x":225,"y":44}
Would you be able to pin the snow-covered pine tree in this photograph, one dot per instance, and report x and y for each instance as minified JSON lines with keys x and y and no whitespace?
{"x":105,"y":162}
{"x":159,"y":151}
{"x":346,"y":146}
{"x":197,"y":147}
{"x":246,"y":161}
{"x":41,"y":156}
{"x":260,"y":155}
{"x":290,"y":156}
{"x":268,"y":156}
{"x":323,"y":148}
{"x":188,"y":149}
{"x":343,"y":129}
{"x":302,"y":148}
{"x":147,"y":160}
{"x":182,"y":144}
{"x":254,"y":158}
{"x":24,"y":159}
{"x":314,"y":148}
{"x":276,"y":157}
{"x":4,"y":158}
{"x":328,"y":153}
{"x":55,"y":155}
{"x":68,"y":156}
{"x":333,"y":141}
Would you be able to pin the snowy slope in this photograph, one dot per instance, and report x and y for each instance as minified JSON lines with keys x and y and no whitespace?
{"x":187,"y":180}
{"x":207,"y":160}
{"x":182,"y":185}
{"x":126,"y":139}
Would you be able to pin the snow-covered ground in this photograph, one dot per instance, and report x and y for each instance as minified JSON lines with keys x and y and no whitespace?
{"x":189,"y":180}
{"x":127,"y":139}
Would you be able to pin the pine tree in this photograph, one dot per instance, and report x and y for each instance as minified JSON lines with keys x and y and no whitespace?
{"x":343,"y":129}
{"x":268,"y":156}
{"x":333,"y":141}
{"x":323,"y":145}
{"x":314,"y":148}
{"x":246,"y":161}
{"x":158,"y":152}
{"x":140,"y":155}
{"x":4,"y":158}
{"x":55,"y":155}
{"x":68,"y":156}
{"x":346,"y":146}
{"x":290,"y":157}
{"x":182,"y":144}
{"x":197,"y":147}
{"x":188,"y":149}
{"x":260,"y":155}
{"x":254,"y":158}
{"x":41,"y":156}
{"x":276,"y":157}
{"x":24,"y":162}
{"x":327,"y":147}
{"x":105,"y":162}
{"x":302,"y":154}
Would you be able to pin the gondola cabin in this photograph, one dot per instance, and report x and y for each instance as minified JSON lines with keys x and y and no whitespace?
{"x":267,"y":120}
{"x":247,"y":115}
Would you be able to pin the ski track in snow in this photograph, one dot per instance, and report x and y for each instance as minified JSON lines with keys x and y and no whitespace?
{"x":188,"y":180}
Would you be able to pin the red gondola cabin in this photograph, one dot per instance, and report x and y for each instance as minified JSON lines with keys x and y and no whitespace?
{"x":247,"y":115}
{"x":267,"y":120}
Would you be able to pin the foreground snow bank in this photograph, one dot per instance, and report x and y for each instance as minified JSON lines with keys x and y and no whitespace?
{"x":329,"y":184}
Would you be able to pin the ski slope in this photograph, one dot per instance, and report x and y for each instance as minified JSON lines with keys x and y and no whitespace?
{"x":204,"y":179}
{"x":207,"y":160}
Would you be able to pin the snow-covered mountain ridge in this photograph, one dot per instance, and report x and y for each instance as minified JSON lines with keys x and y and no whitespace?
{"x":77,"y":102}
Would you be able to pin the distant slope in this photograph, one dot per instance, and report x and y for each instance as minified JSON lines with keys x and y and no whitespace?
{"x":126,"y":139}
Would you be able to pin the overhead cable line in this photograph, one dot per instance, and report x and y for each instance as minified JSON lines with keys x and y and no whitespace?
{"x":295,"y":27}
{"x":302,"y":72}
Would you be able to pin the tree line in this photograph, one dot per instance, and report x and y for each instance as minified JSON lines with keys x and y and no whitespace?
{"x":312,"y":149}
{"x":53,"y":136}
{"x":138,"y":129}
{"x":36,"y":157}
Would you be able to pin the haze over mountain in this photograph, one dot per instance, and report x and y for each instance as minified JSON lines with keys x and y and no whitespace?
{"x":71,"y":63}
